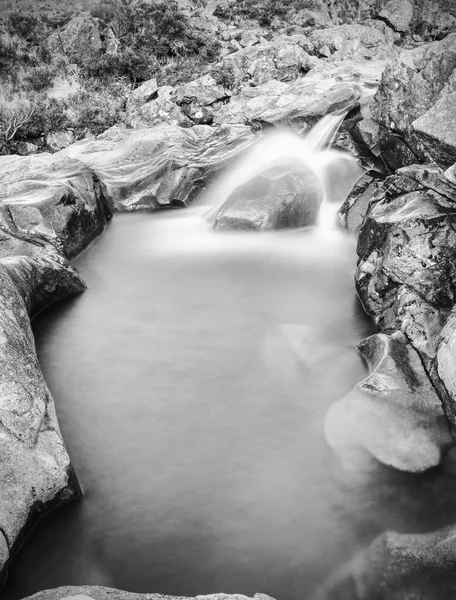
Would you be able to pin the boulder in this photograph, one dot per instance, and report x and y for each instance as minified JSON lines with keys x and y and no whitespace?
{"x":399,"y":566}
{"x":279,"y":198}
{"x":146,"y":92}
{"x":394,"y":414}
{"x":79,"y":39}
{"x":326,"y":89}
{"x":352,"y":212}
{"x":398,"y":14}
{"x":52,"y":199}
{"x":35,"y":471}
{"x":103,"y":593}
{"x":161,"y":108}
{"x":59,"y":139}
{"x":406,"y":274}
{"x":163,"y":166}
{"x":413,"y":106}
{"x":198,"y":98}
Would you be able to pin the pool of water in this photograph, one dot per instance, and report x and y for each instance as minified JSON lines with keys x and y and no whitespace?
{"x":191,"y":381}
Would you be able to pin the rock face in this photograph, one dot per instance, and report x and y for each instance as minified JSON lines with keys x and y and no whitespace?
{"x":163,"y":166}
{"x":394,"y":414}
{"x":276,"y":199}
{"x":399,"y":566}
{"x":103,"y":593}
{"x":413,"y":109}
{"x":79,"y":39}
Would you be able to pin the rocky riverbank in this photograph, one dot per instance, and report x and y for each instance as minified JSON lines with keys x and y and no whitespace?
{"x":398,"y":90}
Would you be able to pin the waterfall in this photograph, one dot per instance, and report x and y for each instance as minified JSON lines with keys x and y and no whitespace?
{"x":337,"y":171}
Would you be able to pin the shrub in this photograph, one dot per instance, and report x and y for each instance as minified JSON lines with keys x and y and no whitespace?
{"x":224,"y":75}
{"x":16,"y":112}
{"x":264,"y":11}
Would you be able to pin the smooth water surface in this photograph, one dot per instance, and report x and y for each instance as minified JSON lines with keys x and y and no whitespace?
{"x":191,"y":382}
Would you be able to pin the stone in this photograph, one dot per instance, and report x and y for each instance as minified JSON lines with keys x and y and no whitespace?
{"x":161,"y":109}
{"x":104,"y":593}
{"x":352,"y":212}
{"x":26,"y":148}
{"x":406,"y":274}
{"x":35,"y":472}
{"x":59,"y":139}
{"x":146,"y":92}
{"x":275,"y":199}
{"x":394,"y":414}
{"x":79,"y":39}
{"x":163,"y":166}
{"x":398,"y":14}
{"x":51,"y":199}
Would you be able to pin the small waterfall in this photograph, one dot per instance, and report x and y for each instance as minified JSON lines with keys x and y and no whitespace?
{"x":337,"y":171}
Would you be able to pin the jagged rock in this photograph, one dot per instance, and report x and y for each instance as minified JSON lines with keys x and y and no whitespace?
{"x":325,"y":90}
{"x":406,"y":275}
{"x":80,"y":39}
{"x":370,"y":40}
{"x":352,"y":212}
{"x":103,"y":593}
{"x":144,"y":93}
{"x":398,"y":14}
{"x":276,"y":199}
{"x":395,"y":414}
{"x":198,"y":98}
{"x":414,"y":106}
{"x":399,"y":566}
{"x":161,"y":109}
{"x":52,"y":199}
{"x":59,"y":139}
{"x":279,"y":60}
{"x":35,"y":471}
{"x":160,"y":166}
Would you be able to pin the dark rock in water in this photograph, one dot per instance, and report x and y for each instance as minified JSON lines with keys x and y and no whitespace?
{"x":277,"y":199}
{"x":406,"y":275}
{"x":398,"y":566}
{"x":395,"y":414}
{"x":414,"y":106}
{"x":35,"y":470}
{"x":104,"y":593}
{"x":157,"y":167}
{"x":53,"y":199}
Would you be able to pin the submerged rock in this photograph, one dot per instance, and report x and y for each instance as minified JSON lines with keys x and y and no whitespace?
{"x":277,"y":199}
{"x":35,"y":470}
{"x":104,"y":593}
{"x":394,"y":414}
{"x":163,"y":166}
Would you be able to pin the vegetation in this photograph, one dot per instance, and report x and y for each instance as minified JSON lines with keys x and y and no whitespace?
{"x":264,"y":11}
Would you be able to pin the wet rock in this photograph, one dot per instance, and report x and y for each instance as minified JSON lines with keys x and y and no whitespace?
{"x":395,"y":414}
{"x":276,"y":199}
{"x":398,"y":14}
{"x":399,"y":566}
{"x":35,"y":472}
{"x":406,"y":274}
{"x":326,"y":89}
{"x":163,"y":166}
{"x":103,"y":593}
{"x":352,"y":212}
{"x":413,"y":106}
{"x":52,"y":199}
{"x":80,"y":39}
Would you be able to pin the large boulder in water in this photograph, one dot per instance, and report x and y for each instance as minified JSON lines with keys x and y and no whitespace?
{"x":279,"y":198}
{"x":398,"y":566}
{"x":413,"y":109}
{"x":35,"y":471}
{"x":162,"y":166}
{"x":394,"y":414}
{"x":53,"y":199}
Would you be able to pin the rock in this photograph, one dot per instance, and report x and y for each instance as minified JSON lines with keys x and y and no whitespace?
{"x":80,"y":40}
{"x":352,"y":212}
{"x":279,"y":60}
{"x":161,"y":109}
{"x":247,"y":39}
{"x":161,"y":166}
{"x":413,"y":106}
{"x":26,"y":148}
{"x":397,"y":566}
{"x":398,"y":14}
{"x":276,"y":199}
{"x":146,"y":92}
{"x":197,"y":99}
{"x":51,"y":199}
{"x":395,"y":414}
{"x":103,"y":593}
{"x":35,"y":472}
{"x":111,"y":43}
{"x":355,"y":41}
{"x":326,"y":89}
{"x":59,"y":139}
